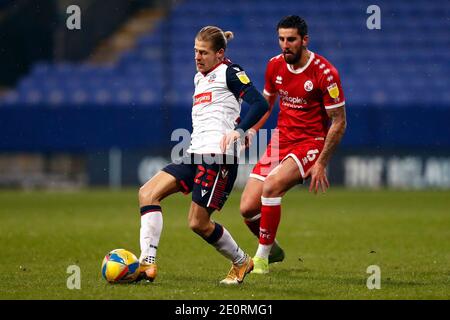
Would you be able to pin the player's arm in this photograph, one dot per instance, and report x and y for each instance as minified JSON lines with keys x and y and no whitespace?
{"x":271,"y":102}
{"x":258,"y":108}
{"x":240,"y":85}
{"x":332,"y":140}
{"x":270,"y":94}
{"x":252,"y":131}
{"x":335,"y":134}
{"x":334,"y":102}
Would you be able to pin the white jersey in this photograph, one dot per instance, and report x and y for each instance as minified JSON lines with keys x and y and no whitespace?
{"x":216,"y":107}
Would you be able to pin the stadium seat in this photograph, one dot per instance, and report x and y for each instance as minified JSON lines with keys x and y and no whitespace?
{"x":406,"y":63}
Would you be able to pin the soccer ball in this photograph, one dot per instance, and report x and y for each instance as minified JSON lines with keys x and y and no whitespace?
{"x":120,"y":266}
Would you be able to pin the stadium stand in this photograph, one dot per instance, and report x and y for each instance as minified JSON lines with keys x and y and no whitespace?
{"x":4,"y":3}
{"x":405,"y":62}
{"x":132,"y":97}
{"x":403,"y":66}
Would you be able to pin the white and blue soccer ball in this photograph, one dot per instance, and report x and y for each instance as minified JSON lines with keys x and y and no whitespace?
{"x":120,"y":266}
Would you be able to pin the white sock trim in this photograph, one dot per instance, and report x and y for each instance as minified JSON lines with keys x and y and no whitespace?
{"x":254,"y":218}
{"x":271,"y":201}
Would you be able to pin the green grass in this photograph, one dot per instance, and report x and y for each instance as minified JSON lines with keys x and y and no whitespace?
{"x":329,"y":240}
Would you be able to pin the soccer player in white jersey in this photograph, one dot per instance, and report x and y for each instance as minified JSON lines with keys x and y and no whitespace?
{"x":220,"y":87}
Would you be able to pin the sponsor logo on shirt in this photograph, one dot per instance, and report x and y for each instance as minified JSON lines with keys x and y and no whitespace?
{"x":204,"y":97}
{"x":292,"y":102}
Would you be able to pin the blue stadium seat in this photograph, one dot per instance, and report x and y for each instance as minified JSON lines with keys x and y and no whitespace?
{"x":406,"y":62}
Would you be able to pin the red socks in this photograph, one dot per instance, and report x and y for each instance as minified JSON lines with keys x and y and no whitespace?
{"x":270,"y":218}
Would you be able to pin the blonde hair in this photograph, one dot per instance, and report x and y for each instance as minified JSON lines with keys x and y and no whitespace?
{"x":216,"y":36}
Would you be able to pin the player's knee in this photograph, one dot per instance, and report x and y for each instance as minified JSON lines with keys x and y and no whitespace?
{"x":273,"y":187}
{"x":148,"y":195}
{"x":249,"y":207}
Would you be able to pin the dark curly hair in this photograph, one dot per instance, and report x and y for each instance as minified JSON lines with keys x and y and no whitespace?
{"x":294,"y":22}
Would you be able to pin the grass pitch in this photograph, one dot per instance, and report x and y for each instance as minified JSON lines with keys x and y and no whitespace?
{"x":329,"y":240}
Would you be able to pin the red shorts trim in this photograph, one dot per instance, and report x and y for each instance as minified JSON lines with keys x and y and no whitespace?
{"x":184,"y":188}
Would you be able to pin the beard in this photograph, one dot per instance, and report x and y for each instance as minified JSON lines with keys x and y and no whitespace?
{"x":292,"y":58}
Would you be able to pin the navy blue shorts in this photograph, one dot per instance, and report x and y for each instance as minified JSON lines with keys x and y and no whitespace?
{"x":210,"y":180}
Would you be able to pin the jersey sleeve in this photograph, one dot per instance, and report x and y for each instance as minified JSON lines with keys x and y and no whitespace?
{"x":330,"y":84}
{"x":269,"y":85}
{"x":237,"y":80}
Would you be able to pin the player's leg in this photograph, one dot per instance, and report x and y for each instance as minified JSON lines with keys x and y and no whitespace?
{"x":219,"y":237}
{"x":250,"y":205}
{"x":151,"y":193}
{"x":250,"y":208}
{"x":210,"y":191}
{"x":277,"y":183}
{"x":215,"y":234}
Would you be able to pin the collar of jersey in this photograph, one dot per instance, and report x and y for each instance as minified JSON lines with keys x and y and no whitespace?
{"x":212,"y":69}
{"x":297,"y":71}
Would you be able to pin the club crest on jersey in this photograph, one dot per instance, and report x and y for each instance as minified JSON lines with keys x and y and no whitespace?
{"x":333,"y":90}
{"x":243,"y":77}
{"x":308,"y":85}
{"x":212,"y":78}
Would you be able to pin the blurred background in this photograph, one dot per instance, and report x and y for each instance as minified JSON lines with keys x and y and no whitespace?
{"x":96,"y":106}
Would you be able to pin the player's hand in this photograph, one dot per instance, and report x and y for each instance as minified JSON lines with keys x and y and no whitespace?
{"x":319,"y":179}
{"x":249,"y":137}
{"x":228,"y":139}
